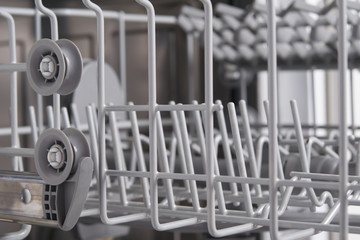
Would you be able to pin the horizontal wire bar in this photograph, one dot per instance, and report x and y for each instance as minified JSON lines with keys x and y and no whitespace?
{"x":180,"y":212}
{"x":322,"y":176}
{"x":128,"y":17}
{"x":12,"y":152}
{"x":127,"y":108}
{"x":127,"y":173}
{"x":20,"y":177}
{"x":181,"y":107}
{"x":12,"y":67}
{"x":308,"y":184}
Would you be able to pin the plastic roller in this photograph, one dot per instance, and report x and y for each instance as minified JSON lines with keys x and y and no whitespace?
{"x":54,"y":67}
{"x":57,"y":154}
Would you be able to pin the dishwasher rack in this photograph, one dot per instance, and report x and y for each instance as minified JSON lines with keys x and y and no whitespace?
{"x":164,"y":173}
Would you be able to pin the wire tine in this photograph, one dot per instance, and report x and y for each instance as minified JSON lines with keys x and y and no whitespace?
{"x":259,"y":151}
{"x":50,"y":116}
{"x":118,"y":156}
{"x":172,"y":157}
{"x":188,"y":159}
{"x":266,"y":109}
{"x":19,"y":160}
{"x":34,"y":129}
{"x":180,"y":146}
{"x":40,"y":115}
{"x":249,"y":143}
{"x":240,"y":158}
{"x":280,"y":171}
{"x":200,"y":135}
{"x":300,"y":138}
{"x":75,"y":115}
{"x":93,"y":142}
{"x":140,"y":156}
{"x":66,"y":118}
{"x":133,"y":164}
{"x":226,"y":147}
{"x":325,"y":196}
{"x":218,"y":187}
{"x":164,"y":162}
{"x":93,"y":112}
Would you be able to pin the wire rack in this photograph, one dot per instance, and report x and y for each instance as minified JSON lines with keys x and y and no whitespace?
{"x":180,"y":169}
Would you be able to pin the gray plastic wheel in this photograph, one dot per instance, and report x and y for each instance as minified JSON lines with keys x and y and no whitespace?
{"x":46,"y":67}
{"x":54,"y":156}
{"x":79,"y":144}
{"x":54,"y":67}
{"x":74,"y":66}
